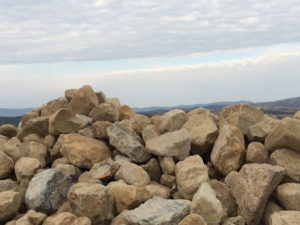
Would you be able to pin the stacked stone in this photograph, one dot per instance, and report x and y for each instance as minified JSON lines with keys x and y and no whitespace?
{"x":85,"y":159}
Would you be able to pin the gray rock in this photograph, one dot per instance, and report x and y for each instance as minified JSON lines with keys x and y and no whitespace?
{"x":47,"y":190}
{"x":157,"y":211}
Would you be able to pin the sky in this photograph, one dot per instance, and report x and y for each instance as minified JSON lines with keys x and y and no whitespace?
{"x":149,"y":52}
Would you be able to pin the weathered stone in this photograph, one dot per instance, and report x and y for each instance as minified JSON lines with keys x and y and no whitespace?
{"x":288,"y":195}
{"x":55,"y":151}
{"x":10,"y":202}
{"x":153,"y":169}
{"x":190,"y":174}
{"x":289,"y":160}
{"x":47,"y":190}
{"x":238,"y":220}
{"x":119,"y":219}
{"x":270,"y":208}
{"x":126,"y":112}
{"x":257,"y":153}
{"x":6,"y":165}
{"x":87,"y":132}
{"x":63,"y":122}
{"x":229,"y":149}
{"x":172,"y":120}
{"x":36,"y":150}
{"x":285,"y":135}
{"x":157,"y":211}
{"x":133,"y":174}
{"x":297,"y":115}
{"x":105,"y":112}
{"x":28,"y":116}
{"x":8,"y":185}
{"x":149,"y":133}
{"x":206,"y":204}
{"x":122,"y":159}
{"x":167,"y":165}
{"x":82,"y":151}
{"x":83,"y":100}
{"x":285,"y":218}
{"x":13,"y":148}
{"x":105,"y":170}
{"x":172,"y":144}
{"x":66,"y":218}
{"x":26,"y":167}
{"x":8,"y":130}
{"x":31,"y":218}
{"x":155,"y":121}
{"x":138,"y":123}
{"x":167,"y":180}
{"x":99,"y":129}
{"x":158,"y":190}
{"x":69,"y":170}
{"x":193,"y":219}
{"x":252,"y":188}
{"x":260,"y":130}
{"x":53,"y":106}
{"x":115,"y":101}
{"x":123,"y":138}
{"x":39,"y":126}
{"x":242,"y":115}
{"x":91,"y":200}
{"x":201,"y":111}
{"x":203,"y":130}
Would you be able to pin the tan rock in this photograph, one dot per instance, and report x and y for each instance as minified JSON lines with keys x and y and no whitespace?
{"x":229,"y":149}
{"x":158,"y":190}
{"x":105,"y":112}
{"x":193,"y":219}
{"x":172,"y":120}
{"x":99,"y":129}
{"x":126,"y":112}
{"x":28,"y":116}
{"x":87,"y":132}
{"x":127,"y":196}
{"x":270,"y":208}
{"x":200,"y":111}
{"x":285,"y":218}
{"x":297,"y":115}
{"x":13,"y":148}
{"x":139,"y":122}
{"x":53,"y":106}
{"x":155,"y":121}
{"x":252,"y":188}
{"x":91,"y":200}
{"x":206,"y":204}
{"x":6,"y":165}
{"x":119,"y":219}
{"x":26,"y":167}
{"x":68,"y":169}
{"x":203,"y":130}
{"x":285,"y":135}
{"x":167,"y":165}
{"x":83,"y":100}
{"x":105,"y":170}
{"x":70,"y":93}
{"x":289,"y":160}
{"x":288,"y":195}
{"x":133,"y":174}
{"x":8,"y":130}
{"x":66,"y":218}
{"x":10,"y":202}
{"x":8,"y":185}
{"x":31,"y":218}
{"x":36,"y":150}
{"x":149,"y":133}
{"x":3,"y":139}
{"x":257,"y":153}
{"x":190,"y":174}
{"x":167,"y":180}
{"x":82,"y":151}
{"x":39,"y":126}
{"x":153,"y":169}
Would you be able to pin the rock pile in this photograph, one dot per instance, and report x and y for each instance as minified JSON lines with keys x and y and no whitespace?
{"x":85,"y":159}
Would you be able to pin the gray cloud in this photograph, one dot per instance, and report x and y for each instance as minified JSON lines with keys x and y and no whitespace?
{"x":74,"y":30}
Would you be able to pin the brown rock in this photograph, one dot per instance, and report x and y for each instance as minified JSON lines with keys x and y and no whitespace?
{"x":13,"y":148}
{"x":31,"y":218}
{"x":6,"y":165}
{"x":28,"y":116}
{"x":3,"y":139}
{"x":101,"y":96}
{"x":39,"y":126}
{"x":285,"y":218}
{"x":26,"y":167}
{"x":257,"y":153}
{"x":139,"y":122}
{"x":99,"y":129}
{"x":193,"y":219}
{"x":105,"y":170}
{"x":10,"y":202}
{"x":167,"y":165}
{"x":238,"y":220}
{"x":119,"y":219}
{"x":158,"y":190}
{"x":68,"y":169}
{"x":8,"y":130}
{"x":70,"y":93}
{"x":153,"y":169}
{"x":126,"y":112}
{"x":54,"y":105}
{"x":36,"y":150}
{"x":172,"y":120}
{"x":167,"y":180}
{"x":105,"y":112}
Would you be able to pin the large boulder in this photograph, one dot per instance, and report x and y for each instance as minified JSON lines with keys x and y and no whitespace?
{"x":190,"y":174}
{"x":172,"y":144}
{"x":203,"y":130}
{"x":10,"y":202}
{"x":123,"y":138}
{"x":289,"y":160}
{"x":53,"y":106}
{"x":242,"y":115}
{"x":285,"y":135}
{"x":47,"y":191}
{"x":288,"y":195}
{"x":157,"y":211}
{"x":172,"y":120}
{"x":83,"y":100}
{"x":105,"y":112}
{"x":285,"y":218}
{"x":83,"y":151}
{"x":252,"y":188}
{"x":229,"y":149}
{"x":91,"y":200}
{"x":206,"y":204}
{"x":6,"y":165}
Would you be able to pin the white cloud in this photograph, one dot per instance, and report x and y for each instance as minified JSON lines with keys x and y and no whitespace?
{"x":50,"y":31}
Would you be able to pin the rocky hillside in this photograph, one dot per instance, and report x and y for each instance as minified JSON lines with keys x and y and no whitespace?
{"x":84,"y":159}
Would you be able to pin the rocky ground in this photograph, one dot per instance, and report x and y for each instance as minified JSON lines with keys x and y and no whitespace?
{"x":85,"y":159}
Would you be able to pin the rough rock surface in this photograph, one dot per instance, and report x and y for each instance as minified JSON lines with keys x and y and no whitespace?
{"x":257,"y":153}
{"x":260,"y":130}
{"x":6,"y":165}
{"x":285,"y":218}
{"x":105,"y":112}
{"x":172,"y":120}
{"x":10,"y":202}
{"x":193,"y":219}
{"x":288,"y":195}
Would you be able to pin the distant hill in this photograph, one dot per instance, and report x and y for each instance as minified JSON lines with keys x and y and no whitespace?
{"x":289,"y":103}
{"x":10,"y":120}
{"x":4,"y":112}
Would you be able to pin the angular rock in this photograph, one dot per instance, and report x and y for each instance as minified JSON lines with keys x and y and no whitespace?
{"x":69,"y":170}
{"x":190,"y":174}
{"x":257,"y":153}
{"x":289,"y":160}
{"x":39,"y":126}
{"x":6,"y":165}
{"x":229,"y":149}
{"x":91,"y":200}
{"x":13,"y":148}
{"x":105,"y":170}
{"x":10,"y":202}
{"x":270,"y":208}
{"x":206,"y":204}
{"x":138,"y":123}
{"x":82,"y":151}
{"x":54,"y":105}
{"x":149,"y":133}
{"x":172,"y":144}
{"x":203,"y":130}
{"x":83,"y":100}
{"x":47,"y":190}
{"x":193,"y":219}
{"x":157,"y":211}
{"x":261,"y":130}
{"x":288,"y":195}
{"x":167,"y":165}
{"x":123,"y":138}
{"x":36,"y":150}
{"x":252,"y":188}
{"x":201,"y":111}
{"x":285,"y":218}
{"x":153,"y":169}
{"x":26,"y":167}
{"x":105,"y":112}
{"x":285,"y":135}
{"x":158,"y":190}
{"x":8,"y":130}
{"x":133,"y":174}
{"x":31,"y":218}
{"x":126,"y":112}
{"x":172,"y":120}
{"x":66,"y":218}
{"x":28,"y":116}
{"x":119,"y":219}
{"x":99,"y":129}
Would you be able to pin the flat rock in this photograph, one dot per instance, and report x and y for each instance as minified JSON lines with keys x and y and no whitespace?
{"x":10,"y":202}
{"x":288,"y":195}
{"x":285,"y":218}
{"x":172,"y":120}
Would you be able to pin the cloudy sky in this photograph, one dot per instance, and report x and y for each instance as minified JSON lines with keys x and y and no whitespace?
{"x":150,"y":52}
